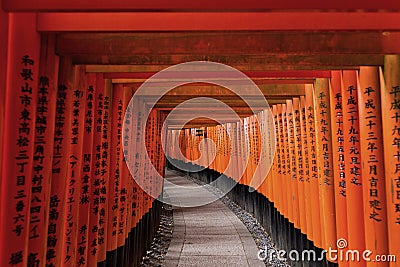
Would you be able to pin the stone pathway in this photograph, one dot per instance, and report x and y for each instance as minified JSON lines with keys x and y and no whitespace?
{"x":209,"y":235}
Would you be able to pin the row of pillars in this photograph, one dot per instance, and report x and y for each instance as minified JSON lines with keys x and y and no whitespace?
{"x":69,"y":190}
{"x":335,"y":174}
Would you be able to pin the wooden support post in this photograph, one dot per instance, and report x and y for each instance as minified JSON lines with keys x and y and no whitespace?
{"x":286,"y":188}
{"x":281,"y":164}
{"x":43,"y":152}
{"x":299,"y":167}
{"x":371,"y":146}
{"x":324,"y":149}
{"x":353,"y":169}
{"x":116,"y":162}
{"x":390,"y":96}
{"x":306,"y":168}
{"x":294,"y":201}
{"x":4,"y":18}
{"x":96,"y":178}
{"x":21,"y":90}
{"x":86,"y":174}
{"x":339,"y":175}
{"x":74,"y":161}
{"x":312,"y":150}
{"x":61,"y":152}
{"x":104,"y":170}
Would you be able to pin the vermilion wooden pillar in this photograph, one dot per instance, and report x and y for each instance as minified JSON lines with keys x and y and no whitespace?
{"x":105,"y":169}
{"x":222,"y":141}
{"x":116,"y":162}
{"x":74,"y":162}
{"x":312,"y":151}
{"x":3,"y":72}
{"x":371,"y":145}
{"x":182,"y":145}
{"x":261,"y":181}
{"x":298,"y":143}
{"x":228,"y":148}
{"x":390,"y":96}
{"x":306,"y":168}
{"x":160,"y":135}
{"x":276,"y":164}
{"x":293,"y":165}
{"x":61,"y":146}
{"x":267,"y":128}
{"x":122,"y":221}
{"x":96,"y":182}
{"x":232,"y":136}
{"x":19,"y":125}
{"x":43,"y":151}
{"x":338,"y":156}
{"x":243,"y":152}
{"x":129,"y":188}
{"x":134,"y":159}
{"x":280,"y":184}
{"x":324,"y":141}
{"x":270,"y":152}
{"x":287,"y":189}
{"x":254,"y":156}
{"x":353,"y":169}
{"x":86,"y":173}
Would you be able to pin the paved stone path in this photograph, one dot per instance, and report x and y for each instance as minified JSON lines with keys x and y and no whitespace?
{"x":209,"y":235}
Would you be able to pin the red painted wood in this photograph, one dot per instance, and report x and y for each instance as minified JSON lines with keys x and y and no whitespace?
{"x":3,"y":72}
{"x":104,"y":170}
{"x":352,"y":156}
{"x":43,"y":151}
{"x":286,"y":171}
{"x":124,"y":182}
{"x":85,"y":196}
{"x":97,"y":181}
{"x":19,"y":124}
{"x":372,"y":162}
{"x":203,"y":5}
{"x":61,"y":149}
{"x":74,"y":163}
{"x":306,"y":168}
{"x":298,"y":46}
{"x":298,"y":168}
{"x":115,"y":167}
{"x":325,"y":164}
{"x":217,"y":21}
{"x":292,"y":166}
{"x":280,"y":154}
{"x":223,"y":74}
{"x":312,"y":152}
{"x":390,"y":97}
{"x":338,"y":154}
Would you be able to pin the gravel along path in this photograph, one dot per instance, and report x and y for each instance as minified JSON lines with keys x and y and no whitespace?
{"x":155,"y":255}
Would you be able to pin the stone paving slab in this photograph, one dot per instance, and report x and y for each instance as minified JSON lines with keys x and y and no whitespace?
{"x":209,"y":235}
{"x":213,"y":261}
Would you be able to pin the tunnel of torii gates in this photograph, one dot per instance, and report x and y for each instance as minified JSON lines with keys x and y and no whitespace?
{"x":329,"y":71}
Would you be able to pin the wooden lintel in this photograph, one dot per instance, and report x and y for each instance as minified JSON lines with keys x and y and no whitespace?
{"x":204,"y":5}
{"x":229,"y":43}
{"x":278,"y":61}
{"x":188,"y":91}
{"x":246,"y":63}
{"x":216,"y":21}
{"x":136,"y":83}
